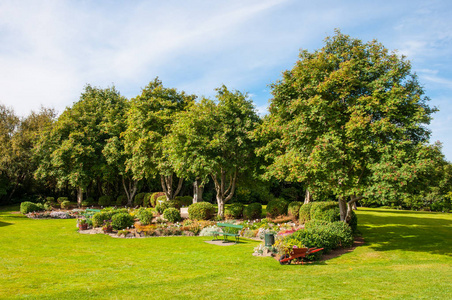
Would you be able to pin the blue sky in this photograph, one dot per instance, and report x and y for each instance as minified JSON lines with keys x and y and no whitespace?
{"x":49,"y":50}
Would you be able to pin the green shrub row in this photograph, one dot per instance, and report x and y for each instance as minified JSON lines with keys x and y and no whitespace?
{"x":172,"y":214}
{"x":28,"y":207}
{"x":201,"y":211}
{"x":252,"y":211}
{"x":121,"y":220}
{"x":277,"y":208}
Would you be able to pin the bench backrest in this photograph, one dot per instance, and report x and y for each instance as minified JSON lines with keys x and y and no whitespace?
{"x":229,"y":225}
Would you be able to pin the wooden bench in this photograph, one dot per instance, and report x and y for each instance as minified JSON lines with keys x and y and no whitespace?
{"x":225,"y":234}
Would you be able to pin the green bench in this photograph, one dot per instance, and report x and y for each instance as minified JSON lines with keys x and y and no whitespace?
{"x":225,"y":234}
{"x":91,"y":211}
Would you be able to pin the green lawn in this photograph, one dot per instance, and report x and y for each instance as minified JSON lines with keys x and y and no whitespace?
{"x":407,"y":255}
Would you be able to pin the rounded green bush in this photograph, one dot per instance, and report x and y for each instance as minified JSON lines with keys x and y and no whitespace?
{"x":184,"y":200}
{"x":277,"y":207}
{"x":172,"y":215}
{"x":293,"y":209}
{"x":138,"y":199}
{"x":121,"y":200}
{"x":201,"y":211}
{"x":305,"y":213}
{"x":162,"y":206}
{"x":27,"y":207}
{"x":252,"y":211}
{"x":175,"y":203}
{"x":121,"y":221}
{"x":105,"y":215}
{"x":154,"y":196}
{"x":234,"y":211}
{"x":65,"y":204}
{"x":353,"y":223}
{"x":85,"y":203}
{"x":145,"y":216}
{"x":61,"y":199}
{"x":91,"y":201}
{"x":105,"y":200}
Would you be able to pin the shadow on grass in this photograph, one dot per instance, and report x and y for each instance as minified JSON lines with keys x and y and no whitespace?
{"x":407,"y":233}
{"x":3,"y":224}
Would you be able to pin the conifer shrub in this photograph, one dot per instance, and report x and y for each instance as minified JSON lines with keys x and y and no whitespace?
{"x":154,"y":196}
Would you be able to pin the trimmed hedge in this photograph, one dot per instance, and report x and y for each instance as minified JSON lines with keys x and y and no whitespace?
{"x":138,"y":199}
{"x":252,"y":211}
{"x":172,"y":215}
{"x":144,"y":216}
{"x":201,"y":211}
{"x":65,"y":204}
{"x":277,"y":207}
{"x":293,"y":209}
{"x":234,"y":211}
{"x":305,"y":212}
{"x":28,"y":207}
{"x":327,"y":211}
{"x":121,"y":221}
{"x":184,"y":200}
{"x":161,"y":207}
{"x":61,"y":199}
{"x":323,"y":234}
{"x":121,"y":200}
{"x":105,"y":215}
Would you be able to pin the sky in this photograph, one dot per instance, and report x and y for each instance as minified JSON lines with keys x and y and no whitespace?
{"x":50,"y":50}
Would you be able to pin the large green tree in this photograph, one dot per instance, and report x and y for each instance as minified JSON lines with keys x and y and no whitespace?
{"x":72,"y":152}
{"x":213,"y":138}
{"x":334,"y":113}
{"x":148,"y":122}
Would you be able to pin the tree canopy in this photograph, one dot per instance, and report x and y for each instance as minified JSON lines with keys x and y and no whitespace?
{"x":338,"y":111}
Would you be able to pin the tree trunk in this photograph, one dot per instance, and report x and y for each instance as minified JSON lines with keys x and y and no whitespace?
{"x":343,"y":209}
{"x":197,"y":190}
{"x":354,"y":206}
{"x":79,"y":196}
{"x":224,"y":195}
{"x":131,"y":190}
{"x":307,"y":197}
{"x":167,"y":186}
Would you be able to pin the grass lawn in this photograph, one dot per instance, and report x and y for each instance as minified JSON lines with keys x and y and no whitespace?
{"x":406,"y":255}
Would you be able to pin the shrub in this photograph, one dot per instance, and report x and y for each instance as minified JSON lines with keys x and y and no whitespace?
{"x":121,"y":221}
{"x":175,"y":203}
{"x":305,"y":212}
{"x":184,"y":200}
{"x":277,"y":207}
{"x":61,"y":199}
{"x":85,"y":203}
{"x":201,"y":211}
{"x":160,"y":199}
{"x":327,"y":211}
{"x":138,"y":199}
{"x":161,"y":207}
{"x":121,"y":200}
{"x":252,"y":211}
{"x":91,"y":201}
{"x":353,"y":223}
{"x":27,"y":207}
{"x":209,"y":230}
{"x":234,"y":211}
{"x":105,"y":215}
{"x":50,"y":201}
{"x":293,"y":209}
{"x":105,"y":200}
{"x":323,"y":234}
{"x":154,"y":196}
{"x":65,"y":204}
{"x":172,"y":214}
{"x":144,"y":216}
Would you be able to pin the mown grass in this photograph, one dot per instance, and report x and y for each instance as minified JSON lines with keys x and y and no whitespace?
{"x":406,"y":255}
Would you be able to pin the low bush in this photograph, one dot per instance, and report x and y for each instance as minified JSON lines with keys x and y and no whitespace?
{"x":145,"y":216}
{"x":184,"y":200}
{"x":27,"y":207}
{"x":327,"y":211}
{"x":65,"y":204}
{"x":61,"y":199}
{"x":322,"y":234}
{"x":85,"y":203}
{"x":175,"y":203}
{"x":121,"y":200}
{"x":105,"y":200}
{"x":234,"y":211}
{"x":172,"y":214}
{"x":138,"y":199}
{"x":161,"y":206}
{"x":305,"y":212}
{"x":201,"y":211}
{"x":277,"y":207}
{"x":209,"y":230}
{"x":252,"y":211}
{"x":50,"y":201}
{"x":293,"y":209}
{"x":154,"y":196}
{"x":91,"y":201}
{"x":105,"y":215}
{"x":121,"y":221}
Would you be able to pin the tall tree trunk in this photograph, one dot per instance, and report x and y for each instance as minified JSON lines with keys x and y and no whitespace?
{"x":307,"y":197}
{"x":79,"y":196}
{"x":223,"y":194}
{"x":343,"y":209}
{"x":198,"y":189}
{"x":167,"y":186}
{"x":131,"y":190}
